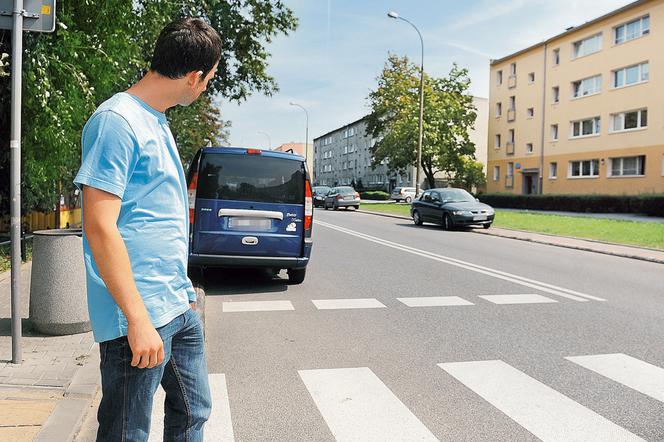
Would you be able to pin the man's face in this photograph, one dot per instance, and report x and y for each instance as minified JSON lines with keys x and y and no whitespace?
{"x":196,"y":85}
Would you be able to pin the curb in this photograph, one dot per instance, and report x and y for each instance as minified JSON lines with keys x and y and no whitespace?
{"x":67,"y":419}
{"x":551,"y":243}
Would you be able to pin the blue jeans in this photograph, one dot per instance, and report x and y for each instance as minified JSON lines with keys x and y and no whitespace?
{"x":127,"y":392}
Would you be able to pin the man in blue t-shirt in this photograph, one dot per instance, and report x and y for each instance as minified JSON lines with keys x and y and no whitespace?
{"x":135,"y":240}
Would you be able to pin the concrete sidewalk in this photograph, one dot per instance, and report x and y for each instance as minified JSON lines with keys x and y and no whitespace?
{"x":46,"y":397}
{"x":640,"y":253}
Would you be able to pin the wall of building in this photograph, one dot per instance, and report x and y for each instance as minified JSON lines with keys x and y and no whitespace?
{"x":607,"y":144}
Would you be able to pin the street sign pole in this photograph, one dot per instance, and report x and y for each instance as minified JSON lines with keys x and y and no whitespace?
{"x":15,"y":179}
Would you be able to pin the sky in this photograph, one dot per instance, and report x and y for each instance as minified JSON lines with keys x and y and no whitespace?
{"x":331,"y":62}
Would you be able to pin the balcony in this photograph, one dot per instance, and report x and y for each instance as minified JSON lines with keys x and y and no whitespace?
{"x":509,"y":182}
{"x":509,"y":149}
{"x":511,"y":81}
{"x":511,"y":115}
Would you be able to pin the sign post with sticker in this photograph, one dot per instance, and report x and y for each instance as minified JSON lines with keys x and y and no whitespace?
{"x":19,"y":16}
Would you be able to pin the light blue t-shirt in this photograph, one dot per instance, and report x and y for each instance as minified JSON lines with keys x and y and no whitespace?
{"x":129,"y":151}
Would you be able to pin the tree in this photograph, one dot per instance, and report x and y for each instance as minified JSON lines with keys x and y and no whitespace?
{"x":448,"y":116}
{"x":471,"y":176}
{"x":100,"y":48}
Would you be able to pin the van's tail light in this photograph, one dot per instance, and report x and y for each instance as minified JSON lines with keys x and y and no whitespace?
{"x":254,"y":152}
{"x":192,"y":198}
{"x":308,"y":206}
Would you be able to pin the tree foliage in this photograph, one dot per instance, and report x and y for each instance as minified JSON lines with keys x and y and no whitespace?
{"x":449,"y":114}
{"x":102,"y":47}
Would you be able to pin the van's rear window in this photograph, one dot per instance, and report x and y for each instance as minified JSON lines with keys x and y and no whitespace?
{"x":251,"y":178}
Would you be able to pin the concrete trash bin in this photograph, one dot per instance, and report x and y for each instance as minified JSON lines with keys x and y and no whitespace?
{"x":58,"y":297}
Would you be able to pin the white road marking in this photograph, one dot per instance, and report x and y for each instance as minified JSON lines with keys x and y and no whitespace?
{"x":217,"y":429}
{"x":517,"y":299}
{"x":357,"y":406}
{"x":634,"y":373}
{"x":548,"y":414}
{"x":348,"y":303}
{"x":256,"y":306}
{"x":538,"y":285}
{"x":434,"y":301}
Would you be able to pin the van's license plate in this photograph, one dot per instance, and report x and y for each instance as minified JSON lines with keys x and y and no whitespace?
{"x":244,"y":223}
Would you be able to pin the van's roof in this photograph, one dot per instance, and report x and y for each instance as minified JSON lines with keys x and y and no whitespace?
{"x":243,"y":151}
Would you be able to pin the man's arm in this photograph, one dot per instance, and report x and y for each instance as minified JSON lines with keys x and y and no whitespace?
{"x":101,"y":211}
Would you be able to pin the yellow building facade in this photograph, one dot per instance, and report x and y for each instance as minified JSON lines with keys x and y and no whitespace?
{"x":583,"y":112}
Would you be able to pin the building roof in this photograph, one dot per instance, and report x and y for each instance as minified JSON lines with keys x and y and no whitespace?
{"x":573,"y":29}
{"x":340,"y":128}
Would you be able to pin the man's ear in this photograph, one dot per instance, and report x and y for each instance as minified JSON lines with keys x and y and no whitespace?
{"x":194,"y":77}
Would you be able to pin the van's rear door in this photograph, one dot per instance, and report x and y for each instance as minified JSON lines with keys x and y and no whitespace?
{"x":250,"y":203}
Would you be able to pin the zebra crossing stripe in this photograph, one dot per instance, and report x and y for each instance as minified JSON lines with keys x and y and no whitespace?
{"x":357,"y":406}
{"x":350,"y":303}
{"x":218,"y":428}
{"x":631,"y":372}
{"x":434,"y":301}
{"x":546,"y":413}
{"x":256,"y":306}
{"x":518,"y":299}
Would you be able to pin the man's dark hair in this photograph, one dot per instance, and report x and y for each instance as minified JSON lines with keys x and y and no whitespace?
{"x":186,"y":45}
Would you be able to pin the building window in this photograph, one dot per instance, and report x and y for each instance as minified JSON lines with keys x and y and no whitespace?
{"x":556,"y":94}
{"x":512,"y":103}
{"x":499,"y":78}
{"x":554,"y":132}
{"x":496,"y":173}
{"x":587,"y":86}
{"x":510,"y":169}
{"x":345,"y":149}
{"x":510,"y":138}
{"x":498,"y":142}
{"x":587,"y":127}
{"x":628,"y":166}
{"x":632,"y":120}
{"x":529,"y":147}
{"x":631,"y":30}
{"x":512,"y":69}
{"x":530,"y":112}
{"x":587,"y":168}
{"x":638,"y":73}
{"x":587,"y":46}
{"x":531,"y":77}
{"x":556,"y":57}
{"x":553,"y":170}
{"x":499,"y":109}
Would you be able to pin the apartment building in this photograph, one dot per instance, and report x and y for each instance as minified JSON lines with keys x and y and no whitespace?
{"x":582,"y":112}
{"x":299,"y":149}
{"x":343,"y":156}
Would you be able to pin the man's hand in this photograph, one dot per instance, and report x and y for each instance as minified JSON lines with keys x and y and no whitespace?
{"x":146,"y":345}
{"x":193,"y":305}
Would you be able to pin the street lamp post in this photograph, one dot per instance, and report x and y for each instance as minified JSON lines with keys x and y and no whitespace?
{"x":394,"y":15}
{"x":306,"y":134}
{"x":269,"y":140}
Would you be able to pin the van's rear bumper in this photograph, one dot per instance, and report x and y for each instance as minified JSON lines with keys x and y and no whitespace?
{"x":247,"y":261}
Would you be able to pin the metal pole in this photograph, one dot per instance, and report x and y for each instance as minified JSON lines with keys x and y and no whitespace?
{"x":15,"y":180}
{"x":306,"y":133}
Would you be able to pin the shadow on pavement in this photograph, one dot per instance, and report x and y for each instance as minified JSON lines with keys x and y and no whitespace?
{"x":242,"y":282}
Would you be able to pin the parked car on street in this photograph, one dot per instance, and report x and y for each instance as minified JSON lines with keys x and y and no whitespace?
{"x":319,"y":193}
{"x":250,"y":208}
{"x":344,"y":196}
{"x":406,"y":194}
{"x":451,"y":208}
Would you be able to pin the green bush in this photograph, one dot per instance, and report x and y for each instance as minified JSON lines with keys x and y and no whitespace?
{"x":651,"y":204}
{"x":375,"y":195}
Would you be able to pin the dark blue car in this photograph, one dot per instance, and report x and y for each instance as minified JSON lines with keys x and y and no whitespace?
{"x":250,"y":208}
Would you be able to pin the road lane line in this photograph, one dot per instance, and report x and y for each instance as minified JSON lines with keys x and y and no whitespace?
{"x":256,"y":306}
{"x":217,"y":429}
{"x":631,"y":372}
{"x":541,"y":286}
{"x":434,"y":301}
{"x":357,"y":406}
{"x":348,"y":303}
{"x":548,"y":414}
{"x":517,"y":299}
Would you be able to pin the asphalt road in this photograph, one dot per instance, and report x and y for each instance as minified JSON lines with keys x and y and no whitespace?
{"x":475,"y":368}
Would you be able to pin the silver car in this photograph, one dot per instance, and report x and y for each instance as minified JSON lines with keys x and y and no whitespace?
{"x":343,"y":196}
{"x":406,"y":194}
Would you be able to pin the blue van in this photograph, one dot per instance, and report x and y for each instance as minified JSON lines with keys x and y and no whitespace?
{"x":250,"y":208}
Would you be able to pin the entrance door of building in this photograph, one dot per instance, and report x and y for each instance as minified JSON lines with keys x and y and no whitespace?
{"x":530,"y":182}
